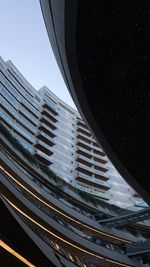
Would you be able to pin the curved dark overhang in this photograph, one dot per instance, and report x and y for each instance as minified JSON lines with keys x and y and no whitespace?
{"x":102,"y":49}
{"x":17,"y":239}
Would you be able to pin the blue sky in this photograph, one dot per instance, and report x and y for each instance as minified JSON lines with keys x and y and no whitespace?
{"x":25,"y":42}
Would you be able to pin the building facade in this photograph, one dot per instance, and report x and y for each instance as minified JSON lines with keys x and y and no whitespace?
{"x":56,"y":134}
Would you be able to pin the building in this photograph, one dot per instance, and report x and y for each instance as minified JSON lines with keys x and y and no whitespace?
{"x":52,"y":222}
{"x":56,"y":134}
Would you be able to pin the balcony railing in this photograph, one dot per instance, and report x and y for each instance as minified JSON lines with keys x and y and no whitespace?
{"x":86,"y":132}
{"x":92,"y":191}
{"x":90,"y":178}
{"x":91,"y":181}
{"x":91,"y":161}
{"x":91,"y":170}
{"x":48,"y":121}
{"x":42,"y":157}
{"x":44,"y":147}
{"x":28,"y":115}
{"x":50,"y":106}
{"x":49,"y":114}
{"x":81,"y":136}
{"x":89,"y":153}
{"x":45,"y":138}
{"x":30,"y":108}
{"x":85,"y":145}
{"x":46,"y":129}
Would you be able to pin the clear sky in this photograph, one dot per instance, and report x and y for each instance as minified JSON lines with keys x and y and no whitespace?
{"x":24,"y":40}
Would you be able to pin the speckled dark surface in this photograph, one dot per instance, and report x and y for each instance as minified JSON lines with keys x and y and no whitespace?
{"x":113,"y":50}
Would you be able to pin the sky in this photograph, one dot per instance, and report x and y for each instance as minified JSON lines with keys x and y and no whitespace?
{"x":25,"y":42}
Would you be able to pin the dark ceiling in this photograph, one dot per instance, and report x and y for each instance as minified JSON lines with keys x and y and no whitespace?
{"x":113,"y":52}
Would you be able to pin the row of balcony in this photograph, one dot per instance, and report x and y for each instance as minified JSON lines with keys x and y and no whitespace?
{"x":30,"y":108}
{"x":45,"y":138}
{"x":50,"y":106}
{"x":43,"y":147}
{"x":20,"y":81}
{"x":5,"y":84}
{"x":90,"y":153}
{"x":16,"y":86}
{"x":27,"y":115}
{"x":17,"y":128}
{"x":91,"y":178}
{"x":91,"y":181}
{"x":42,"y":157}
{"x":82,"y":124}
{"x":92,"y":190}
{"x":45,"y":111}
{"x":43,"y":127}
{"x":90,"y":147}
{"x":89,"y":140}
{"x":90,"y":171}
{"x":16,"y":116}
{"x":91,"y":162}
{"x":83,"y":130}
{"x":81,"y":136}
{"x":48,"y":122}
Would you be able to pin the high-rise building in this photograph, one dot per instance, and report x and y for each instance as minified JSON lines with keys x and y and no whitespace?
{"x":47,"y":222}
{"x":57,"y":135}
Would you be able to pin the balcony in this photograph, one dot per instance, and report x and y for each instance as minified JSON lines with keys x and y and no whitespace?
{"x":90,"y":171}
{"x":84,"y":161}
{"x":90,"y":178}
{"x":48,"y":122}
{"x":98,"y":152}
{"x":7,"y":108}
{"x":51,"y":107}
{"x":89,"y":154}
{"x":27,"y":115}
{"x":43,"y":147}
{"x":84,"y":145}
{"x":91,"y":181}
{"x":29,"y":107}
{"x":46,"y":129}
{"x":92,"y":191}
{"x":84,"y":152}
{"x":49,"y":114}
{"x":16,"y":127}
{"x":45,"y":138}
{"x":8,"y":86}
{"x":83,"y":130}
{"x":98,"y":148}
{"x":89,"y":162}
{"x":43,"y":158}
{"x":82,"y":124}
{"x":102,"y":161}
{"x":84,"y":138}
{"x":102,"y":177}
{"x":16,"y":116}
{"x":100,"y":168}
{"x":96,"y":144}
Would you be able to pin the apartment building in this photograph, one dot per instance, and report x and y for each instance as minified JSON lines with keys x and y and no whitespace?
{"x":57,"y":135}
